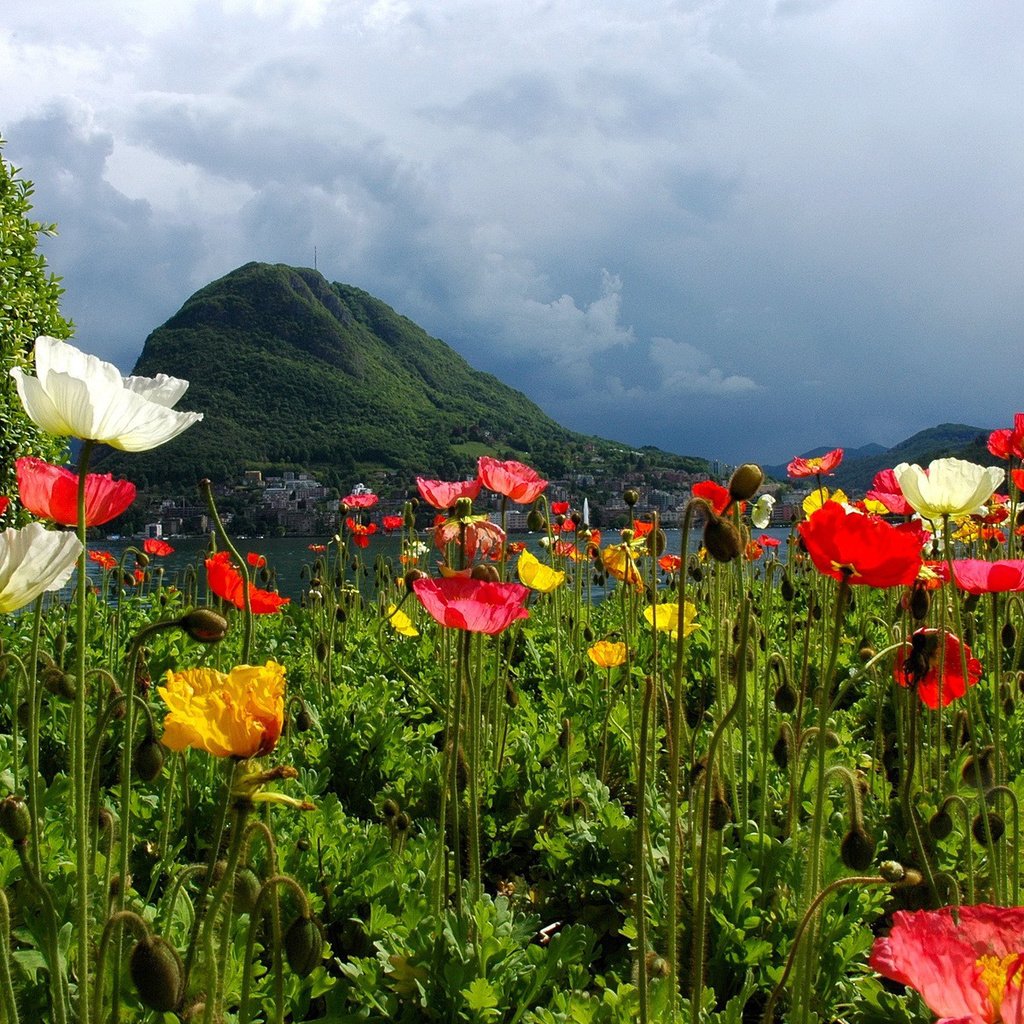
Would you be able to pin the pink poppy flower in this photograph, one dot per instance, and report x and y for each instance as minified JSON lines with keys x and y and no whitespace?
{"x":365,"y":499}
{"x":977,"y":576}
{"x":476,"y":606}
{"x":442,"y":494}
{"x":51,"y":492}
{"x":886,"y":490}
{"x":819,"y":465}
{"x":968,"y":971}
{"x":519,"y":483}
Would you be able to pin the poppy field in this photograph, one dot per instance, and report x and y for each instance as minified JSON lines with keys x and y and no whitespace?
{"x":749,"y":782}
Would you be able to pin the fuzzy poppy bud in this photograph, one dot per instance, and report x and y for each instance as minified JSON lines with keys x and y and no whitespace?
{"x":920,"y":602}
{"x":565,"y":736}
{"x":402,"y":822}
{"x":60,"y":683}
{"x":630,"y":496}
{"x":866,"y":653}
{"x":996,"y":826}
{"x":940,"y":824}
{"x":892,"y":871}
{"x":588,"y":634}
{"x":745,"y":481}
{"x":656,"y":966}
{"x":786,"y":589}
{"x":1008,"y":635}
{"x":535,"y":521}
{"x":722,"y":539}
{"x":656,"y":541}
{"x":303,"y":720}
{"x":389,"y":809}
{"x":157,"y":973}
{"x":303,"y":945}
{"x":148,"y":759}
{"x":785,"y":698}
{"x":15,"y":819}
{"x":857,"y":849}
{"x":412,"y":576}
{"x":720,"y":814}
{"x":511,"y":696}
{"x":780,"y":751}
{"x":696,"y":573}
{"x":246,"y":891}
{"x":979,"y":773}
{"x":204,"y":625}
{"x":487,"y":573}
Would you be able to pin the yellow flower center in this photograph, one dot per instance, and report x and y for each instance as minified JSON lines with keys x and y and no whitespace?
{"x":994,"y":976}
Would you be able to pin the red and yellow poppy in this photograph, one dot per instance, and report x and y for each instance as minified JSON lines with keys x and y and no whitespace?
{"x":476,"y":606}
{"x":670,"y":563}
{"x":51,"y":492}
{"x":819,"y":465}
{"x":156,"y":546}
{"x":360,"y":532}
{"x":861,"y":549}
{"x":516,"y":481}
{"x":967,"y":965}
{"x":225,"y":581}
{"x":918,"y":666}
{"x":104,"y":559}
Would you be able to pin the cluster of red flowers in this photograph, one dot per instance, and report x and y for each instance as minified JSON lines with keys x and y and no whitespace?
{"x":224,"y":579}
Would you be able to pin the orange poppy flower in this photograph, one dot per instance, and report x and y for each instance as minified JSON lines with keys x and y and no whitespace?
{"x":104,"y":559}
{"x":155,"y":546}
{"x":225,"y":581}
{"x":51,"y":492}
{"x":442,"y":494}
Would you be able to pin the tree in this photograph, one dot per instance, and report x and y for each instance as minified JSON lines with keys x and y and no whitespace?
{"x":29,"y":306}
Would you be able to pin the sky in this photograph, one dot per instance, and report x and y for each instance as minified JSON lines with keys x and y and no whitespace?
{"x":740,"y":229}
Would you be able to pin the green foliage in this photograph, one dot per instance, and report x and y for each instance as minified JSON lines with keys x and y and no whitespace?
{"x":29,"y":306}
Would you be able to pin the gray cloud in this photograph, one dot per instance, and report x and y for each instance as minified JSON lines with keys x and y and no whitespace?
{"x":709,"y":226}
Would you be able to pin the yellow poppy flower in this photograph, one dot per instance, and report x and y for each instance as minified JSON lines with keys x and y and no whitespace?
{"x":534,"y":574}
{"x":607,"y":653}
{"x":818,"y":497}
{"x":666,"y":616}
{"x":400,"y":622}
{"x":620,"y":562}
{"x":235,"y":715}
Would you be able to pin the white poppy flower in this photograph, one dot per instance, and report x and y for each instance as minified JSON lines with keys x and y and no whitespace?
{"x":949,"y":487}
{"x":78,"y":395}
{"x":761,"y":513}
{"x":34,"y":559}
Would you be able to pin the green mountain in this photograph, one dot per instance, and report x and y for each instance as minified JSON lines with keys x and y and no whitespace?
{"x":293,"y":372}
{"x":859,"y":466}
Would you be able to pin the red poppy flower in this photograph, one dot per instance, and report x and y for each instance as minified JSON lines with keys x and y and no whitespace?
{"x":361,"y":533}
{"x":515,"y":547}
{"x":155,"y":546}
{"x":886,"y":490}
{"x":4,"y":502}
{"x":977,"y":576}
{"x":559,"y":508}
{"x":1005,"y":444}
{"x":566,"y":549}
{"x":365,"y":499}
{"x":226,"y":582}
{"x":517,"y":482}
{"x":968,"y":968}
{"x":139,"y":576}
{"x":819,"y":465}
{"x":257,"y":561}
{"x":569,"y":526}
{"x":51,"y":492}
{"x":473,"y":605}
{"x":391,"y":523}
{"x":1017,"y":476}
{"x":670,"y":563}
{"x":317,"y":548}
{"x":861,"y":549}
{"x":104,"y":559}
{"x":715,"y":495}
{"x":442,"y":494}
{"x":753,"y":551}
{"x":917,"y":665}
{"x":768,"y":542}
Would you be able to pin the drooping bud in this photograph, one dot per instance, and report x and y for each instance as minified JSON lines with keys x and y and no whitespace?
{"x":148,"y":759}
{"x":204,"y":625}
{"x":892,"y":871}
{"x":60,"y":683}
{"x":15,"y":819}
{"x":389,"y":809}
{"x":920,"y":602}
{"x":412,"y":576}
{"x":246,"y":891}
{"x":630,"y":496}
{"x":786,"y":588}
{"x":485,"y":572}
{"x":157,"y":973}
{"x":535,"y":521}
{"x":656,"y":541}
{"x":303,"y":720}
{"x":857,"y":849}
{"x":722,"y":539}
{"x":745,"y":481}
{"x":996,"y":827}
{"x":979,"y":773}
{"x":565,"y":736}
{"x":303,"y":945}
{"x":1008,"y":635}
{"x":785,"y":697}
{"x":940,"y":824}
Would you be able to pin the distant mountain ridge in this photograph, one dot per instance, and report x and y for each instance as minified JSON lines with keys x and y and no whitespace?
{"x":859,"y":465}
{"x":293,"y":372}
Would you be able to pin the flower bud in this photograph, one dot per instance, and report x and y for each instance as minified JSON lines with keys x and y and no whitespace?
{"x":996,"y":826}
{"x":60,"y":683}
{"x":656,"y":541}
{"x":463,"y":508}
{"x":786,"y":589}
{"x":630,"y":496}
{"x":535,"y":521}
{"x":720,"y":814}
{"x":745,"y":481}
{"x":487,"y":573}
{"x":148,"y":759}
{"x":857,"y":849}
{"x":940,"y":824}
{"x":920,"y":602}
{"x":157,"y":973}
{"x":204,"y":625}
{"x":303,"y":720}
{"x":785,"y":698}
{"x":1008,"y":635}
{"x":15,"y":819}
{"x":892,"y":871}
{"x":412,"y":576}
{"x":303,"y":945}
{"x":780,"y":750}
{"x":722,"y":539}
{"x":389,"y":809}
{"x":565,"y":736}
{"x":246,"y":891}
